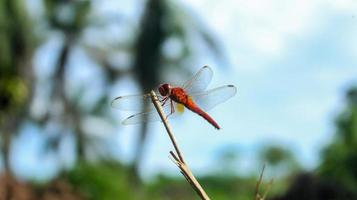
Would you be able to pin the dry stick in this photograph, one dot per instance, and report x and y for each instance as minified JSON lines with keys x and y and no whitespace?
{"x":268,"y":189}
{"x":178,"y":159}
{"x":257,"y":187}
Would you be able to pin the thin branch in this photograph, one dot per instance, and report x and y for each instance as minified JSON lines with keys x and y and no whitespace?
{"x":257,"y":186}
{"x":175,"y":158}
{"x":178,"y":157}
{"x":257,"y":196}
{"x":169,"y":131}
{"x":268,"y":189}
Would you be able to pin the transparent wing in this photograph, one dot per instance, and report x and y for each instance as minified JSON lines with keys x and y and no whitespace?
{"x":133,"y":102}
{"x":153,"y":116}
{"x":200,"y":81}
{"x":209,"y":99}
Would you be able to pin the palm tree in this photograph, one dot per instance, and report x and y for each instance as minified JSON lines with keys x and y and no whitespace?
{"x":162,"y":22}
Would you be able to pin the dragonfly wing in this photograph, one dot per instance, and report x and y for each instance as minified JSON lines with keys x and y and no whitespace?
{"x":153,"y":116}
{"x":199,"y":82}
{"x":141,"y":118}
{"x":133,"y":102}
{"x":211,"y":98}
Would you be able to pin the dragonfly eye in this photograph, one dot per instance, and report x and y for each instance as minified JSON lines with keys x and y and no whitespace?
{"x":164,"y":89}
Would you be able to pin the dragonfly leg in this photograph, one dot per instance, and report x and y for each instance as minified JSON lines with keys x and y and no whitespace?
{"x":172,"y":109}
{"x":161,"y":98}
{"x":163,"y":101}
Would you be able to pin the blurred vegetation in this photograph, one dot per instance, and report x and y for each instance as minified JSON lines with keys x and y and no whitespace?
{"x":336,"y":176}
{"x":339,"y":159}
{"x":106,"y":180}
{"x":109,"y":180}
{"x":17,"y":45}
{"x":166,"y":37}
{"x":281,"y":161}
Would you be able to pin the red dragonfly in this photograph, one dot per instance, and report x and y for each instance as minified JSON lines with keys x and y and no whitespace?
{"x":191,"y":95}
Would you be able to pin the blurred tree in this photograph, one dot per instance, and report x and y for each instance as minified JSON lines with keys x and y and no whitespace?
{"x":275,"y":155}
{"x":16,"y":75}
{"x":147,"y":60}
{"x":339,"y":159}
{"x":280,"y":160}
{"x":71,"y":26}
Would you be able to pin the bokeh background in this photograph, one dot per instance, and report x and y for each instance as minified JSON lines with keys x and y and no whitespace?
{"x":62,"y":62}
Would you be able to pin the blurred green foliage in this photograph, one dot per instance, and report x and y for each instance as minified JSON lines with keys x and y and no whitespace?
{"x":280,"y":160}
{"x":274,"y":155}
{"x":13,"y":94}
{"x":67,"y":16}
{"x":16,"y":47}
{"x":109,"y":180}
{"x":339,"y":159}
{"x":106,"y":180}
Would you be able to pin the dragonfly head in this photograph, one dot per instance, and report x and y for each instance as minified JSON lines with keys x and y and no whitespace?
{"x":165,"y":89}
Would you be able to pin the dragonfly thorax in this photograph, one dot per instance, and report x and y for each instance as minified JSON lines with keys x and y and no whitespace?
{"x":165,"y":89}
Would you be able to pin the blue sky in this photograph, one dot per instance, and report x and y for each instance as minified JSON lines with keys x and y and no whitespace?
{"x":292,"y":61}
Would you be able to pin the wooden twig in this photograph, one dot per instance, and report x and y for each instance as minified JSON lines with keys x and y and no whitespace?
{"x":178,"y":157}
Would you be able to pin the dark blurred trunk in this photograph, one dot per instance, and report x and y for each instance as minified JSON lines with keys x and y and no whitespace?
{"x":6,"y":150}
{"x":147,"y":64}
{"x":71,"y":113}
{"x":139,"y":153}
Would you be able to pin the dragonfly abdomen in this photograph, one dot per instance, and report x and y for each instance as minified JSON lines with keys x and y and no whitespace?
{"x":194,"y":108}
{"x":179,"y":95}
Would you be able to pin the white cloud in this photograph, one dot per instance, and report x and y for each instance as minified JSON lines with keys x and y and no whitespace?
{"x":345,"y":5}
{"x":267,"y":41}
{"x":263,"y":26}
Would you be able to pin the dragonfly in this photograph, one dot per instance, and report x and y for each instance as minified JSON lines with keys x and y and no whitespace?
{"x":192,"y":95}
